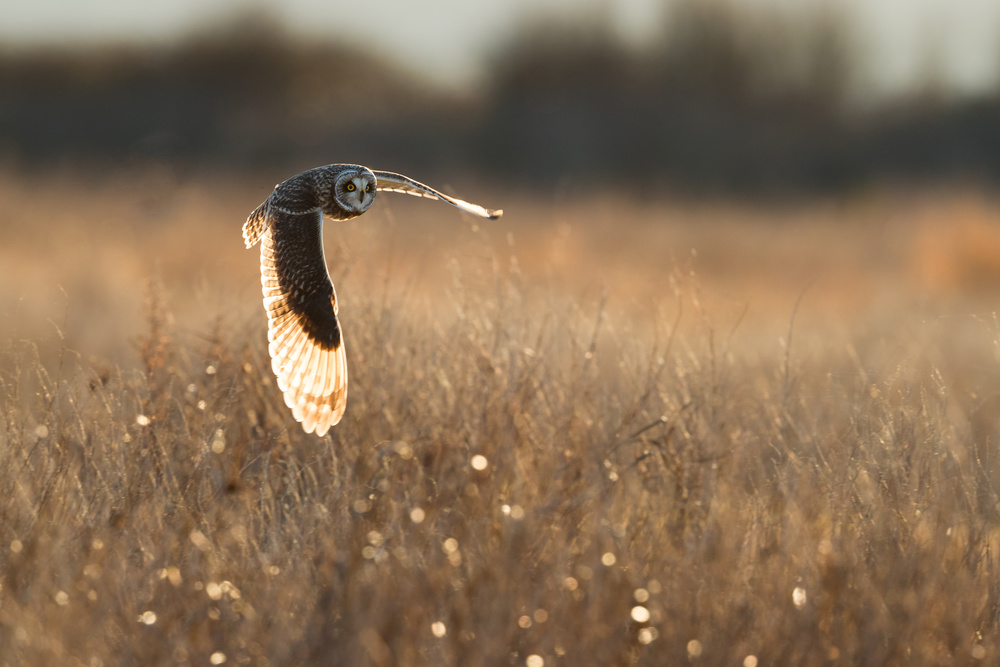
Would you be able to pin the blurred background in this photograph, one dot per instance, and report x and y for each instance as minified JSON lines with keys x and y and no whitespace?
{"x":742,"y":96}
{"x":769,"y":146}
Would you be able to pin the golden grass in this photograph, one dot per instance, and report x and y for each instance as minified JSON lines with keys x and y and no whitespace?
{"x":651,"y":436}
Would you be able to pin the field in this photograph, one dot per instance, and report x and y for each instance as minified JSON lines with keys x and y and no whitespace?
{"x":600,"y":431}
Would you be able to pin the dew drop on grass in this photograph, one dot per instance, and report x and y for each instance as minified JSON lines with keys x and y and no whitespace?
{"x":438,"y":629}
{"x":417,"y":515}
{"x":524,"y":622}
{"x":41,"y":431}
{"x":608,"y":559}
{"x":142,"y":420}
{"x":799,"y":597}
{"x":479,"y":462}
{"x":647,"y":635}
{"x":230,"y":590}
{"x":750,"y":661}
{"x":147,"y":617}
{"x":361,"y":506}
{"x":218,"y":442}
{"x":62,"y":599}
{"x":641,"y":595}
{"x":217,"y":658}
{"x":694,"y":648}
{"x":640,"y":614}
{"x":213,"y":590}
{"x":534,"y":660}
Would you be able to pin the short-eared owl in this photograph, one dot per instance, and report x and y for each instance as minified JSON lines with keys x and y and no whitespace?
{"x":305,"y":341}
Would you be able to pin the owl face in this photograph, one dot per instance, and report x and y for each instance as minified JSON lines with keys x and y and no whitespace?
{"x":354,"y":190}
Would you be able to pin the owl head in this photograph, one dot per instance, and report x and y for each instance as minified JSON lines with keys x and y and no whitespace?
{"x":354,"y":190}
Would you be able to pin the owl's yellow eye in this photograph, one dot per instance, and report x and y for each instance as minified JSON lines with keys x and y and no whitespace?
{"x":368,"y":188}
{"x":350,"y":187}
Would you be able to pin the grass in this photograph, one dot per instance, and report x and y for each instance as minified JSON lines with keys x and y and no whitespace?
{"x":681,"y":466}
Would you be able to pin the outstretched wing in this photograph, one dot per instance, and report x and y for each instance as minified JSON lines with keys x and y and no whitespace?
{"x":390,"y":182}
{"x":307,"y":351}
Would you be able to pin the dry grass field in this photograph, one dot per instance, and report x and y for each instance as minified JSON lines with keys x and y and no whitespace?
{"x":596,"y":432}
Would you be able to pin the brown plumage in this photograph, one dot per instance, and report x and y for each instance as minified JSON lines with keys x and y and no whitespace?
{"x":303,"y":332}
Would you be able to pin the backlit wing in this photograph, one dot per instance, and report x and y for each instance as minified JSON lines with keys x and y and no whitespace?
{"x":390,"y":182}
{"x":305,"y":343}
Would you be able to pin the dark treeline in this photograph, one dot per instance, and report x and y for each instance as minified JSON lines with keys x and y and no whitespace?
{"x":726,"y":100}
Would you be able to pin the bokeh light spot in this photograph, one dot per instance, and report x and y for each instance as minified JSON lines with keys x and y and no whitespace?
{"x":648,"y":635}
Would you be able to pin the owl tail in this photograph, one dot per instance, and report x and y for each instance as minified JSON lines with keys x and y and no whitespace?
{"x":254,"y":227}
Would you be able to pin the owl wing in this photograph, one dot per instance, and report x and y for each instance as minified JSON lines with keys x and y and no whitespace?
{"x":390,"y":182}
{"x":303,"y":332}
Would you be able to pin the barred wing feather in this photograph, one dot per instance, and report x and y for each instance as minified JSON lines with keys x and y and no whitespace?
{"x":390,"y":182}
{"x":303,"y":332}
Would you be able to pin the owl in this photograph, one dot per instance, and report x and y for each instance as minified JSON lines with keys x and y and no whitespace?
{"x":304,"y":336}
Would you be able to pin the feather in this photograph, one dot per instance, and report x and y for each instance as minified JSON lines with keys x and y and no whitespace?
{"x":303,"y":331}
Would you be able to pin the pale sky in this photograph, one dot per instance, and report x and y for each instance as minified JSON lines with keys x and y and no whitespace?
{"x":448,"y":39}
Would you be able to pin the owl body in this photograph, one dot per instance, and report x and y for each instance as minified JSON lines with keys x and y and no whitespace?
{"x":304,"y":335}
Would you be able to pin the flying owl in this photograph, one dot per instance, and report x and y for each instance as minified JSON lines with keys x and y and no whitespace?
{"x":303,"y":332}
